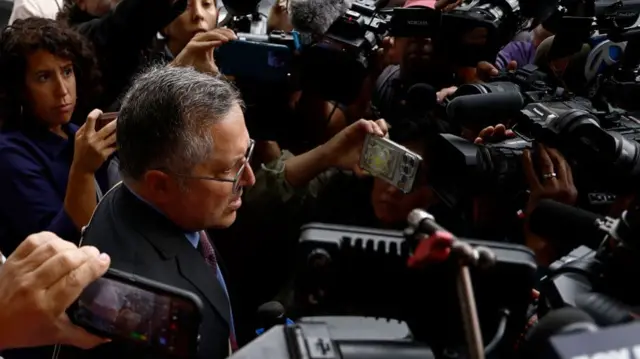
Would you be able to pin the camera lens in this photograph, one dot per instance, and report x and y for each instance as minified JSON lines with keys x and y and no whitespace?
{"x":486,"y":88}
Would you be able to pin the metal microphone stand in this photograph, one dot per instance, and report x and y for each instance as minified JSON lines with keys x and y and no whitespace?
{"x":423,"y":223}
{"x":467,"y":256}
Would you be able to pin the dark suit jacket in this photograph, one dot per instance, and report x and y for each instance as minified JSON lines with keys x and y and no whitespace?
{"x":142,"y":241}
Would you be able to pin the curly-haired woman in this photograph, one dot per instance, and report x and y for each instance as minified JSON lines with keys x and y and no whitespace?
{"x":50,"y":170}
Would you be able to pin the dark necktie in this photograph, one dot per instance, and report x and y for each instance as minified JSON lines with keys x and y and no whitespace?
{"x":206,"y":249}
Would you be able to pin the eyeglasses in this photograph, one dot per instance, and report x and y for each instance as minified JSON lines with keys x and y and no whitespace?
{"x":236,"y":179}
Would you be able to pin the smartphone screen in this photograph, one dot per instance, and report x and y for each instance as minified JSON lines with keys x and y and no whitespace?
{"x":117,"y":309}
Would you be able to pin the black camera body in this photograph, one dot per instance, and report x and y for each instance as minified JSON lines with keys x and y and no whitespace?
{"x":336,"y":338}
{"x":336,"y":65}
{"x":477,"y":29}
{"x":601,"y":146}
{"x":597,"y":281}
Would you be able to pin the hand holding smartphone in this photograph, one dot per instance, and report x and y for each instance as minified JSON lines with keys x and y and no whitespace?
{"x":390,"y":161}
{"x":126,"y":307}
{"x":105,"y":119}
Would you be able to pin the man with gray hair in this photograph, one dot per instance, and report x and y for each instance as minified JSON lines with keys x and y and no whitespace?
{"x":184,"y":155}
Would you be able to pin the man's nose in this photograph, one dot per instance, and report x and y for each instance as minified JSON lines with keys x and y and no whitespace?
{"x":248,"y":177}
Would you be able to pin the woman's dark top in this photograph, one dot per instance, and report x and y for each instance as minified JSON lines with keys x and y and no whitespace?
{"x":34,"y":168}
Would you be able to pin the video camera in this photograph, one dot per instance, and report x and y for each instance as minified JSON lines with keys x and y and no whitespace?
{"x":335,"y":65}
{"x":593,"y":279}
{"x":601,"y":146}
{"x":477,"y":29}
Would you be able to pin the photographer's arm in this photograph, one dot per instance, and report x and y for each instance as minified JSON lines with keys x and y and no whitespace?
{"x":132,"y":25}
{"x":122,"y":36}
{"x":293,"y":179}
{"x":550,"y":177}
{"x":300,"y":170}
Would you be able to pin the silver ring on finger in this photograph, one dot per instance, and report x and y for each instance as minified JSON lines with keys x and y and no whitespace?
{"x":549,"y":175}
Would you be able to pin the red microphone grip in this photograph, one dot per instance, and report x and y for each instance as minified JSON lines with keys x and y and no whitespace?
{"x":435,"y":248}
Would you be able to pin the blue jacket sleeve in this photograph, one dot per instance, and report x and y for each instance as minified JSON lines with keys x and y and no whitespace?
{"x":28,"y":199}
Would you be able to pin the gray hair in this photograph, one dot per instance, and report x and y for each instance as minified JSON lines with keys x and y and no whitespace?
{"x":165,"y":120}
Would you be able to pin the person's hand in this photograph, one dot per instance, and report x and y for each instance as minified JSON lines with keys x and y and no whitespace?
{"x":447,"y":5}
{"x":93,"y":147}
{"x":344,"y":149}
{"x":552,"y":179}
{"x":43,"y":277}
{"x":278,"y":18}
{"x":445,"y":92}
{"x":493,"y":134}
{"x":486,"y":70}
{"x":387,"y":54}
{"x":199,"y":51}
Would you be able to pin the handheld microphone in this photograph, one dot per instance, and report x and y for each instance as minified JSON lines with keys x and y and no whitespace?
{"x":421,"y":98}
{"x":316,"y":16}
{"x":484,"y":109}
{"x":269,"y":315}
{"x":437,"y":247}
{"x":569,"y":226}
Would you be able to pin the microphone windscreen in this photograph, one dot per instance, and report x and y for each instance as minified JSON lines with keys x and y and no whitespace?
{"x":565,"y":225}
{"x":271,"y":310}
{"x":316,"y":16}
{"x":421,"y":97}
{"x":484,"y":109}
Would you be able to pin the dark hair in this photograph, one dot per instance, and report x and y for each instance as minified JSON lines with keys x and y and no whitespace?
{"x":23,"y":38}
{"x":64,"y":15}
{"x":72,"y":15}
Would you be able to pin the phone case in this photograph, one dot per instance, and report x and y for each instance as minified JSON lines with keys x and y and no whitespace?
{"x":390,"y":161}
{"x":156,"y":288}
{"x":105,"y":119}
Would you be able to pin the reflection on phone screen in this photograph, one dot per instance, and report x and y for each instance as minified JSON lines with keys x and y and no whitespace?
{"x":124,"y":311}
{"x":276,"y":61}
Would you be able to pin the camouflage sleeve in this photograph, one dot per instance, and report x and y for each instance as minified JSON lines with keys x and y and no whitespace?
{"x":272,"y":189}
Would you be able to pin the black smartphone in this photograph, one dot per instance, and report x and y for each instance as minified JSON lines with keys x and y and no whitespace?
{"x":254,"y":60}
{"x":105,"y":119}
{"x":123,"y":306}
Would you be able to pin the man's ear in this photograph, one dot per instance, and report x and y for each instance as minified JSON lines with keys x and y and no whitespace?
{"x":158,"y":184}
